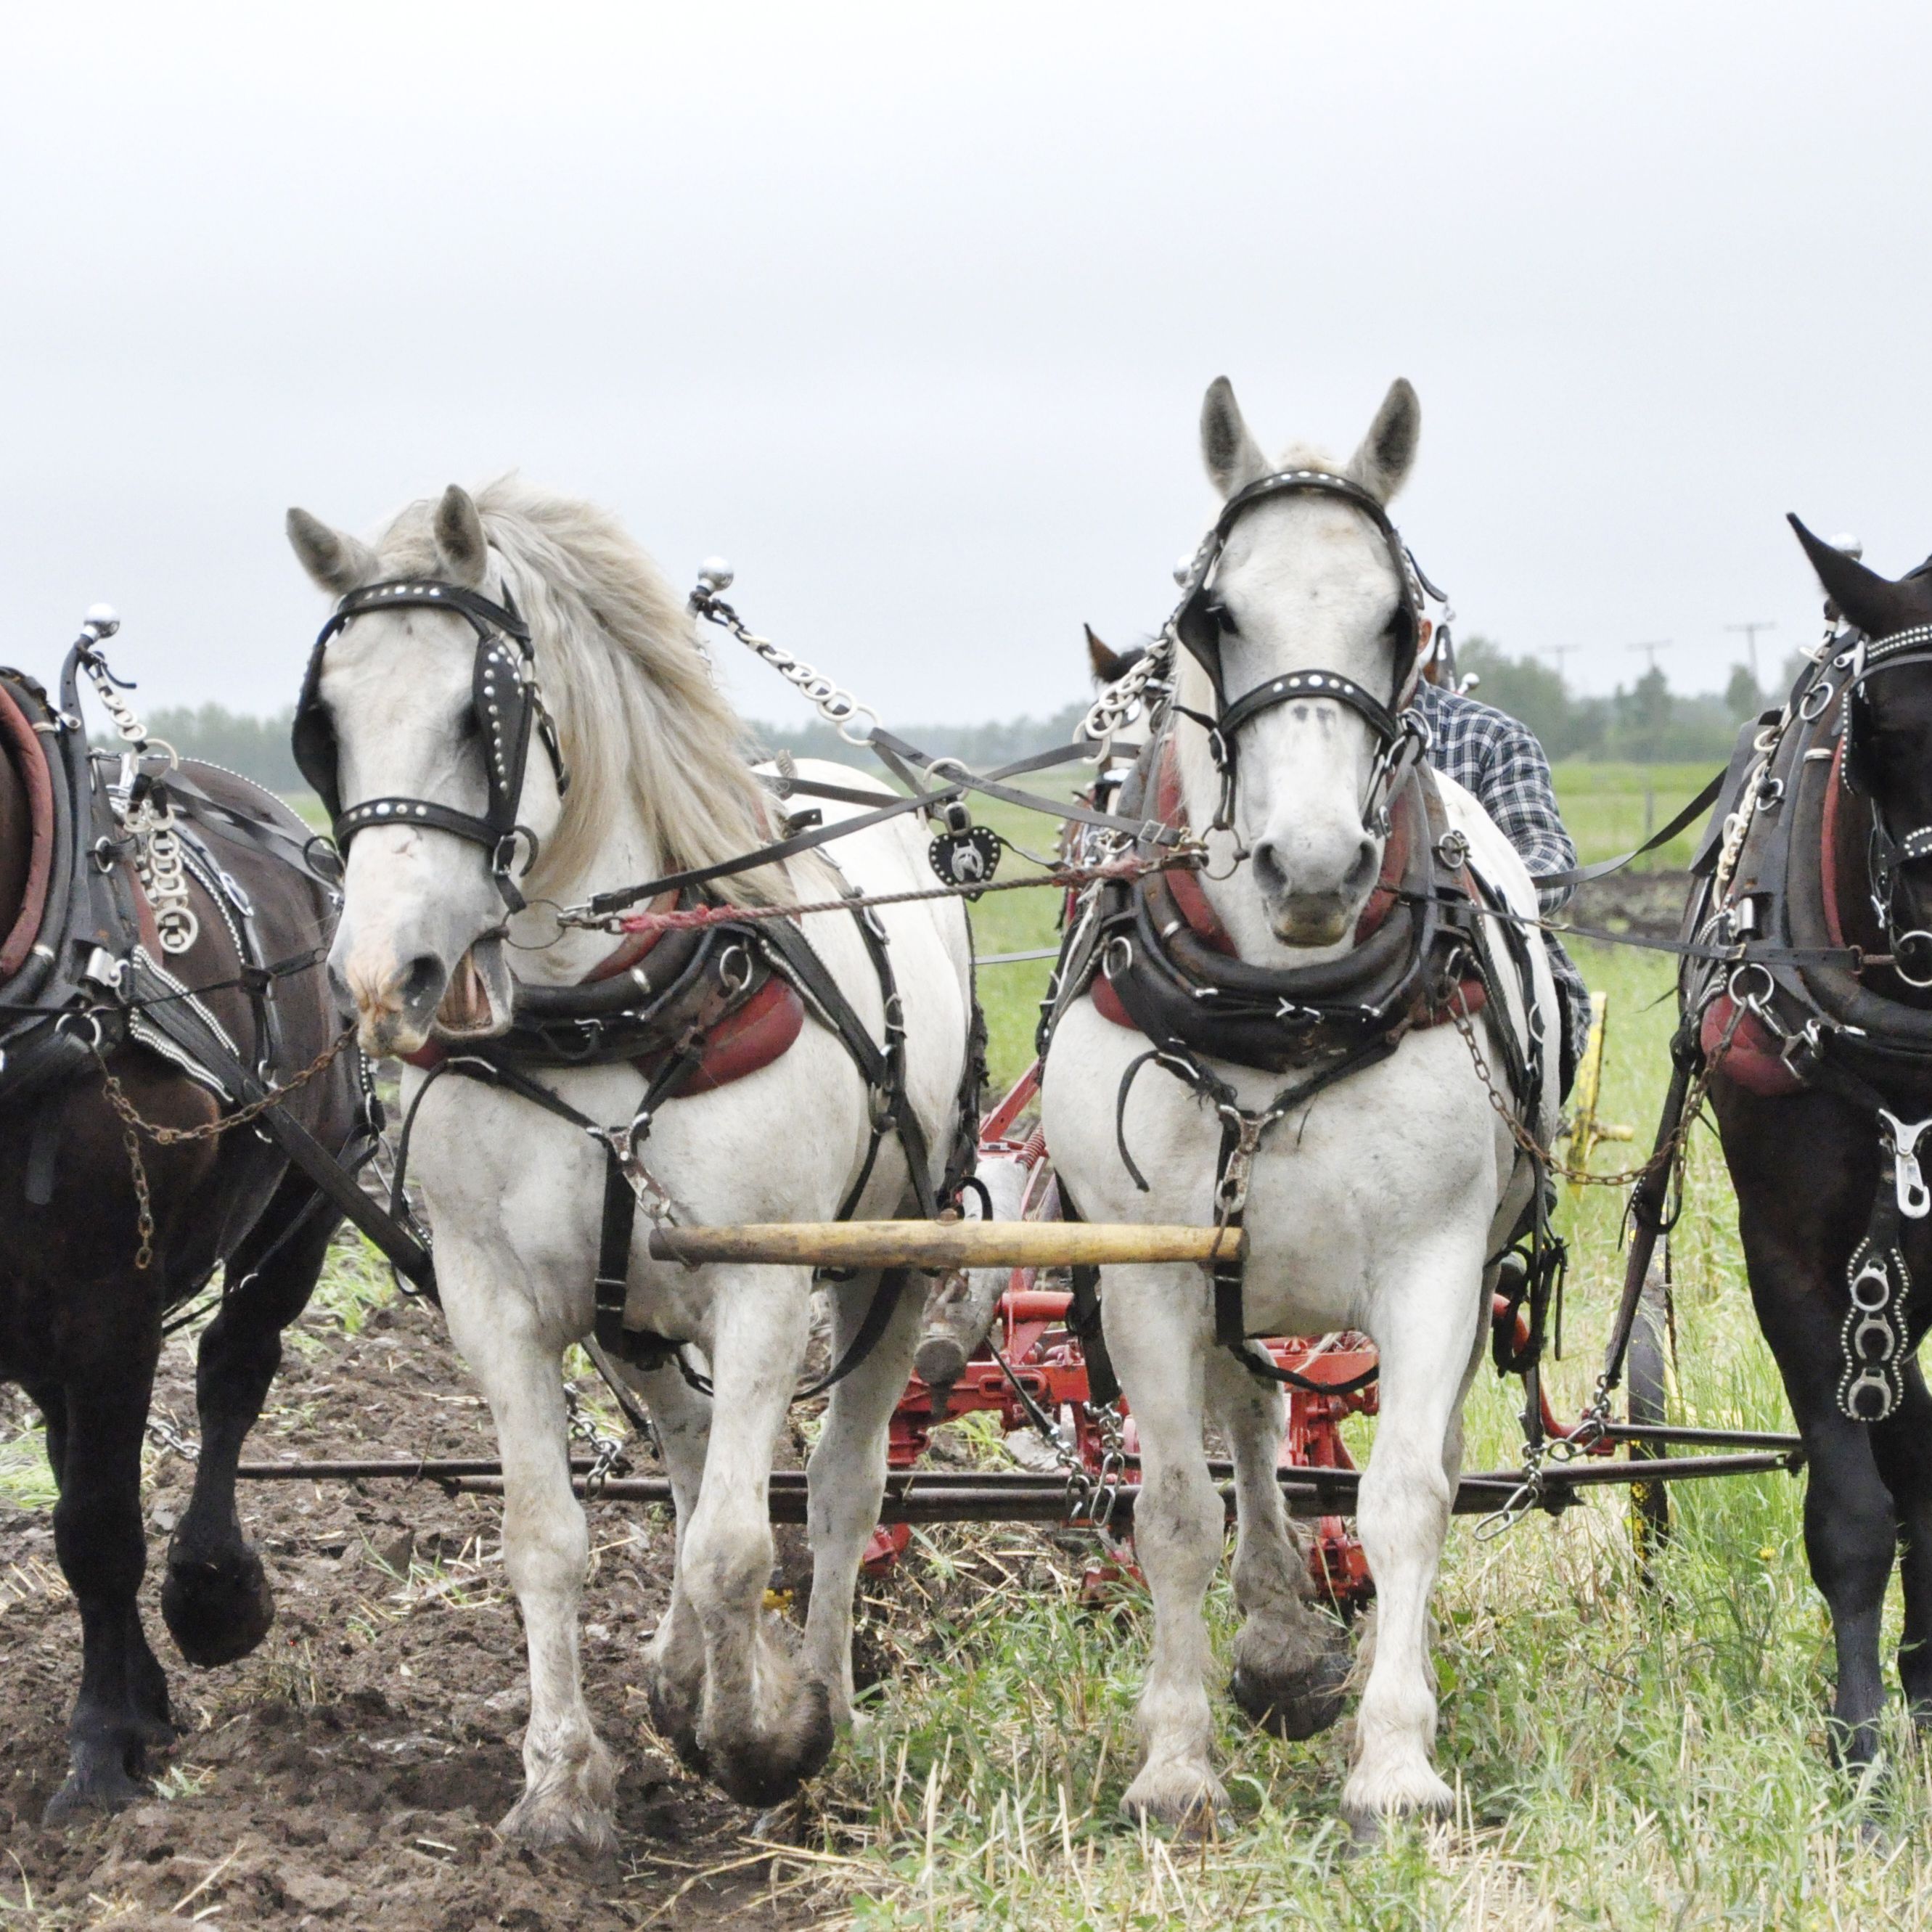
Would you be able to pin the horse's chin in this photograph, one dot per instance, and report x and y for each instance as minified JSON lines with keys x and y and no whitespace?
{"x":477,"y":1002}
{"x":1311,"y":921}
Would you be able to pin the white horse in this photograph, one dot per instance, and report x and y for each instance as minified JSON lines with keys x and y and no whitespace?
{"x":514,"y":1194}
{"x":1374,"y":1208}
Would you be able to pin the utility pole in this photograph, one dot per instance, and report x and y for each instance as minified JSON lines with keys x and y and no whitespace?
{"x":1650,"y":650}
{"x":1749,"y":632}
{"x":1559,"y":652}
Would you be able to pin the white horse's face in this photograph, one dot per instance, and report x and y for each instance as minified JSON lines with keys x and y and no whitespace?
{"x":1308,"y":584}
{"x":420,"y":944}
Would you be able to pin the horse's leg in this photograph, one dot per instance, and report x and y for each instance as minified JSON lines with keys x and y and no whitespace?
{"x":1423,"y":1329}
{"x":847,"y":1480}
{"x":1156,"y":1331}
{"x":570,"y":1777}
{"x":1851,"y":1528}
{"x":1902,"y":1445}
{"x":763,"y":1727}
{"x":681,"y":1415}
{"x":216,"y":1597}
{"x":122,"y":1705}
{"x":1290,"y":1661}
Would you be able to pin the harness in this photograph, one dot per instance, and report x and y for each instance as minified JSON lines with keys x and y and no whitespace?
{"x":1782,"y":906}
{"x":1152,"y":956}
{"x":690,"y":1011}
{"x":87,"y":951}
{"x":509,"y":707}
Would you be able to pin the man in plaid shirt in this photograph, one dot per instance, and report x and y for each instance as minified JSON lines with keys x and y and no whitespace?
{"x":1499,"y":762}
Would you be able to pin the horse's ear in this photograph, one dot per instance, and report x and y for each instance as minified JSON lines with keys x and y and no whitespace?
{"x":337,"y":561}
{"x":1108,"y":665}
{"x":1382,"y":464}
{"x":459,"y":538}
{"x":1869,"y":602}
{"x":1233,"y":458}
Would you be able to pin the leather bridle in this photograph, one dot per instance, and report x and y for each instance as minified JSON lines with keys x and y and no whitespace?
{"x":509,"y":707}
{"x":1911,"y":950}
{"x":1201,"y":621}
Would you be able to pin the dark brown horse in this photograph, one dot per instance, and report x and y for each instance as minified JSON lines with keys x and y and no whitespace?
{"x":81,"y":1316}
{"x":1825,"y":1078}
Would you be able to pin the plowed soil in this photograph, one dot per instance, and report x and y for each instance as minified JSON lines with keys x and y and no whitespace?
{"x":348,"y":1773}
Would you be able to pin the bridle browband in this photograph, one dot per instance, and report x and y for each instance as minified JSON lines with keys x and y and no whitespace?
{"x":509,"y":706}
{"x":1201,"y":622}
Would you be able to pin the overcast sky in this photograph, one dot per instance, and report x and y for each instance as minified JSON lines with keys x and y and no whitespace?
{"x":908,"y":309}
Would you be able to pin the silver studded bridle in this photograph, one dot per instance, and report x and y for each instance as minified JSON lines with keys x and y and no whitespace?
{"x":509,"y":707}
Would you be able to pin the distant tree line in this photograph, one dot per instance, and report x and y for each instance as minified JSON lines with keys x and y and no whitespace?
{"x":257,"y":747}
{"x":1647,"y":721}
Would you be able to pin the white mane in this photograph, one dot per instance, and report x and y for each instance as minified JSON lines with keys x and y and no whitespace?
{"x":636,"y":709}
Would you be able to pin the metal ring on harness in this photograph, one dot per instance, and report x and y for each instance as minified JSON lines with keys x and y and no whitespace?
{"x":1887,"y":1344}
{"x":1113,"y":965}
{"x":1823,"y":692}
{"x":1874,"y":1272}
{"x":96,"y":1037}
{"x":1923,"y":948}
{"x":734,"y":967}
{"x":1734,"y":986}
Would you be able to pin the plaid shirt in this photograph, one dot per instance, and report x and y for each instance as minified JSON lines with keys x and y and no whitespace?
{"x":1499,"y":762}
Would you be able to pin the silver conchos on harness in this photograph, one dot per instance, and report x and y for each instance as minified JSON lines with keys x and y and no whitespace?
{"x":509,"y":706}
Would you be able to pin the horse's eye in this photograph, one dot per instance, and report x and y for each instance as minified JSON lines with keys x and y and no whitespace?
{"x":469,"y":726}
{"x":1224,"y":618}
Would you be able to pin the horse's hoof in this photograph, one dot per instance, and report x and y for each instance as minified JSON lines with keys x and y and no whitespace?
{"x":1299,"y":1704}
{"x":100,"y":1788}
{"x":674,"y":1717}
{"x":218,"y":1610}
{"x":545,"y":1820}
{"x":1185,"y":1801}
{"x":1414,"y":1790}
{"x":765,"y":1772}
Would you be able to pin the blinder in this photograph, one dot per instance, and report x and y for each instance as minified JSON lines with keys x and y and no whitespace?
{"x":509,"y":707}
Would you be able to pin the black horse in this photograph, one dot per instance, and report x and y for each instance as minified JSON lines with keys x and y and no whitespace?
{"x":1823,"y":1080}
{"x":95,"y":1249}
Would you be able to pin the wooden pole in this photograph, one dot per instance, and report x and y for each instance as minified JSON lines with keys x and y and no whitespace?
{"x":938,"y":1245}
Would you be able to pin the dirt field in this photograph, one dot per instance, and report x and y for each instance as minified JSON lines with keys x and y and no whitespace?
{"x":348,"y":1773}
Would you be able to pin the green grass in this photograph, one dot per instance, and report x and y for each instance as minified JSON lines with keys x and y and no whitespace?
{"x":1604,"y":806}
{"x":1624,"y":1756}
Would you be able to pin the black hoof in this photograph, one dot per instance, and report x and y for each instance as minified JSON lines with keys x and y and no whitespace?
{"x":764,"y":1775}
{"x":1297,"y":1706}
{"x":217,"y":1611}
{"x":100,"y":1788}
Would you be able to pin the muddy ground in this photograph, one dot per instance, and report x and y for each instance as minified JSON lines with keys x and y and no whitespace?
{"x":348,"y":1773}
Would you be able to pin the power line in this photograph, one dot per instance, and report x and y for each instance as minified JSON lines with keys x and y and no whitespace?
{"x":1651,"y":648}
{"x":1750,"y":631}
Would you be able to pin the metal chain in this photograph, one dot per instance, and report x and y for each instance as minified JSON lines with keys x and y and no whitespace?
{"x":1116,"y":706}
{"x":1505,"y":1111}
{"x":133,"y":1126}
{"x":837,"y":707}
{"x":165,"y":1435}
{"x":606,"y":1452}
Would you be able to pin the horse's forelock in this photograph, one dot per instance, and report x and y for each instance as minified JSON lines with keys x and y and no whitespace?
{"x":636,"y":708}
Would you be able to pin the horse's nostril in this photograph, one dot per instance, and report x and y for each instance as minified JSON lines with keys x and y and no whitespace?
{"x":1269,"y":872}
{"x":423,"y":985}
{"x":1363,"y":869}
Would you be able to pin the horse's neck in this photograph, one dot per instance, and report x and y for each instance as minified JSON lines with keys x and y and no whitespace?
{"x":626,"y":856}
